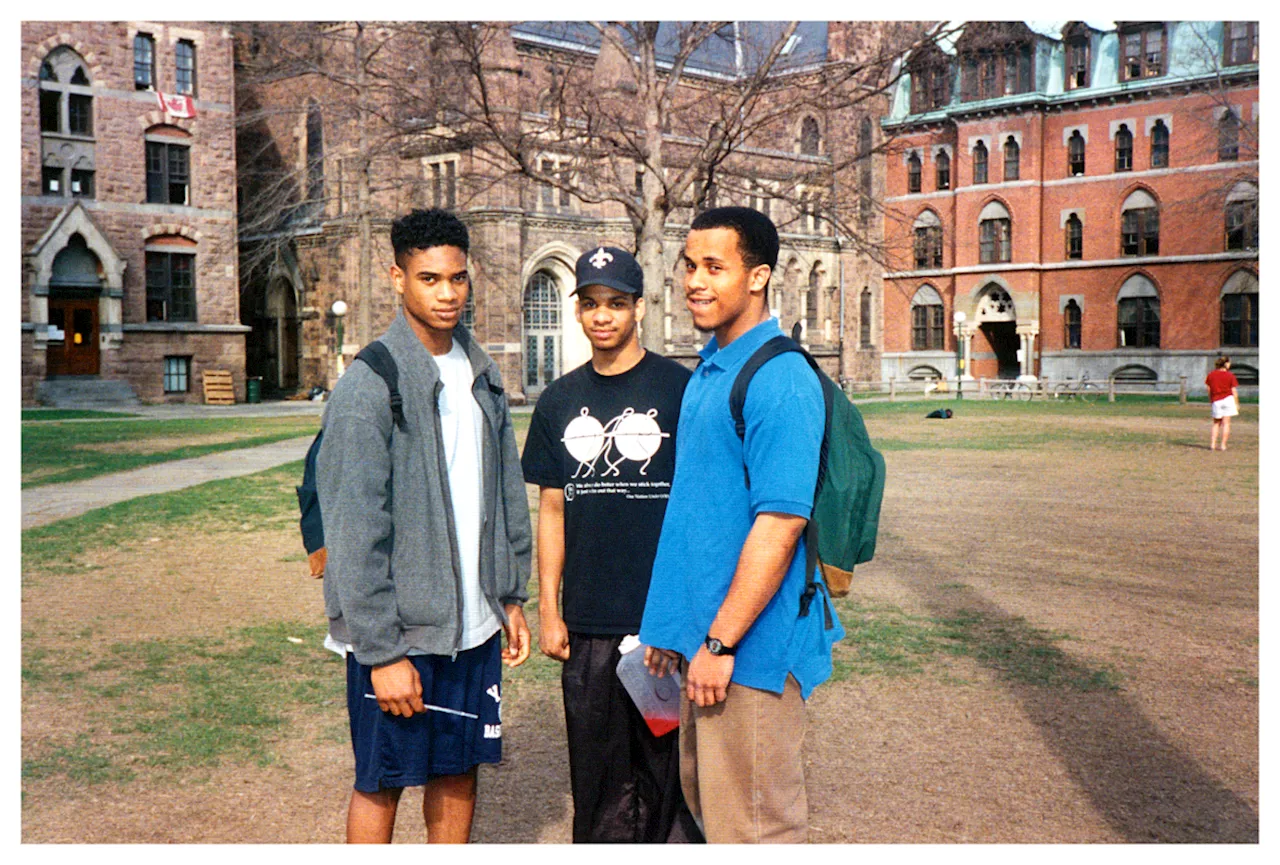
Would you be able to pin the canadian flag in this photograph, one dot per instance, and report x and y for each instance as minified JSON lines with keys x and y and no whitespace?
{"x":177,"y":105}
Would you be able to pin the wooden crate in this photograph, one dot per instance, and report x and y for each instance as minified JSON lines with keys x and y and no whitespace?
{"x":218,"y":389}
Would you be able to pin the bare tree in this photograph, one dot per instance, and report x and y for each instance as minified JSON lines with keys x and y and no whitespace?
{"x":643,"y":127}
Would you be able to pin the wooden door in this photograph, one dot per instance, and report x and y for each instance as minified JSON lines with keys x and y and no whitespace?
{"x":73,"y":337}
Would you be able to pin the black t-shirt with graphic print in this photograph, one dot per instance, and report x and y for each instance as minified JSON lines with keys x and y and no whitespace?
{"x":610,"y":443}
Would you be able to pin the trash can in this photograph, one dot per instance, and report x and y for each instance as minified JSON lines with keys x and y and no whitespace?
{"x":253,"y":389}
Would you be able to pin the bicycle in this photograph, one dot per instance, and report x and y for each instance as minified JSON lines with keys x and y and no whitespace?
{"x":1084,"y":389}
{"x":1009,"y":390}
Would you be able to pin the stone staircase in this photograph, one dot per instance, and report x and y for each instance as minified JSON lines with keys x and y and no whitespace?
{"x":85,"y":391}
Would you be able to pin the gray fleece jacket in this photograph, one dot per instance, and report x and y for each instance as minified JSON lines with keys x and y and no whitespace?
{"x":393,"y":577}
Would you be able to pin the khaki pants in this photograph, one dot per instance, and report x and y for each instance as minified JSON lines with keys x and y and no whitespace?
{"x":742,"y":766}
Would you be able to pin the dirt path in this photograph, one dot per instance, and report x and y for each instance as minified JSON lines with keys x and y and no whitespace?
{"x":1106,"y":544}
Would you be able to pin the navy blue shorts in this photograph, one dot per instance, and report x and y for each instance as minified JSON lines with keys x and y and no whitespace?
{"x":408,"y":752}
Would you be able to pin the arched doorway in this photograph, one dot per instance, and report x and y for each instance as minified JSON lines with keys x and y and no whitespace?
{"x":280,"y":338}
{"x":75,"y":286}
{"x":542,"y":332}
{"x":997,"y":319}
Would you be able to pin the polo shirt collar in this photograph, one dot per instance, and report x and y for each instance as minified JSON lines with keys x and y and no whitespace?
{"x":737,"y":352}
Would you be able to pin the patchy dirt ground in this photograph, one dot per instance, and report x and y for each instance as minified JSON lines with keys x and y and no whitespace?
{"x":1145,"y":553}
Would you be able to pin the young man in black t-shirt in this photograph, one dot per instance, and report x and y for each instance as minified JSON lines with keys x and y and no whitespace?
{"x":601,"y":446}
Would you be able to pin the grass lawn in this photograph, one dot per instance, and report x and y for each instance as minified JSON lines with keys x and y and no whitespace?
{"x":35,"y":414}
{"x":55,"y":452}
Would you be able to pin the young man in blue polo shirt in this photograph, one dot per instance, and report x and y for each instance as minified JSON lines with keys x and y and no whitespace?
{"x":724,"y":598}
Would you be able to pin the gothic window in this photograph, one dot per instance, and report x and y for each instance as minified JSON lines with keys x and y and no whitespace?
{"x":927,"y":320}
{"x":1241,"y":217}
{"x":1124,"y":148}
{"x":1138,"y":314}
{"x":810,"y":137}
{"x":1075,"y":237}
{"x":1240,"y":310}
{"x":979,"y":163}
{"x":943,"y":163}
{"x":913,"y":173}
{"x":994,"y":234}
{"x":1140,"y":225}
{"x":315,"y":154}
{"x":812,"y":326}
{"x":66,"y":125}
{"x":1228,"y":137}
{"x":1071,"y":322}
{"x":1075,"y":154}
{"x":927,"y":246}
{"x":1012,"y":158}
{"x":1159,"y":145}
{"x":864,"y":319}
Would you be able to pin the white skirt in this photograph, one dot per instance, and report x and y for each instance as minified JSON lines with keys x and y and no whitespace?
{"x":1225,"y":407}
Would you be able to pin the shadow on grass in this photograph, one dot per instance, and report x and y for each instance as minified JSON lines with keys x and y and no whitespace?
{"x":1145,"y":787}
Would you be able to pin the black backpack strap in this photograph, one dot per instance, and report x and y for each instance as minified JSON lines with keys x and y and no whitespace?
{"x":737,"y":404}
{"x":379,"y":359}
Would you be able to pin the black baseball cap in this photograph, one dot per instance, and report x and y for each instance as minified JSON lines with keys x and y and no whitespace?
{"x":611,"y":267}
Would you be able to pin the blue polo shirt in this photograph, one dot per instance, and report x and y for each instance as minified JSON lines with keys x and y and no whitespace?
{"x":710,"y":512}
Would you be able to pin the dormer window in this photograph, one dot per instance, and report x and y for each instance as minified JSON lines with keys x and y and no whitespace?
{"x":1143,"y":52}
{"x":1078,"y":61}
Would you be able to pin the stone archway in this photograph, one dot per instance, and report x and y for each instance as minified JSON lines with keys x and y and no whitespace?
{"x":104,"y":300}
{"x":997,"y":318}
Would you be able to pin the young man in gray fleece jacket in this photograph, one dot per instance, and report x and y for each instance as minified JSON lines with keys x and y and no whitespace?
{"x":428,"y":536}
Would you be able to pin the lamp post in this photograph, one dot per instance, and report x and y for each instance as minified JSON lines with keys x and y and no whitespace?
{"x":959,"y":320}
{"x":339,"y":310}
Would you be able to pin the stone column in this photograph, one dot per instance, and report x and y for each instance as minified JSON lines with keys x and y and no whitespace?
{"x":1027,"y":336}
{"x":966,"y":336}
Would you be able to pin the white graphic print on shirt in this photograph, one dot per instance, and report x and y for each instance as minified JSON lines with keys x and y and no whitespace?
{"x":635,"y":437}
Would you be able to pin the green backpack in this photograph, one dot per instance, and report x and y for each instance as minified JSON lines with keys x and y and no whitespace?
{"x":846,"y":503}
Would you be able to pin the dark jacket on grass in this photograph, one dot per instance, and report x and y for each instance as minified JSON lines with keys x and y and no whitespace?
{"x":393,"y":577}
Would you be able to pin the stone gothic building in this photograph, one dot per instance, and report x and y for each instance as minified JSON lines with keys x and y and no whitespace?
{"x":527,"y":235}
{"x":129,"y":258}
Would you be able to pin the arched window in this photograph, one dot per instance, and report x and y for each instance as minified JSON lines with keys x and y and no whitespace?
{"x":943,"y":163}
{"x":1159,"y":145}
{"x":979,"y":163}
{"x":913,"y":172}
{"x":1138,"y":314}
{"x":66,"y":125}
{"x":1228,"y":137}
{"x":927,"y":320}
{"x":315,"y":153}
{"x":1140,"y":225}
{"x":812,"y":327}
{"x":1071,"y":323}
{"x":928,"y":240}
{"x":1124,"y":148}
{"x":168,"y":151}
{"x":1012,"y":157}
{"x":864,"y":319}
{"x":1239,"y":304}
{"x":1134,"y":373}
{"x":810,"y":137}
{"x":1242,"y":217}
{"x":541,"y":331}
{"x":924,"y":372}
{"x":1075,"y":237}
{"x":994,"y":234}
{"x":1075,"y":154}
{"x":144,"y":62}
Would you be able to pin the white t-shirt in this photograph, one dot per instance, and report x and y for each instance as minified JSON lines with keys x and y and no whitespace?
{"x":462,"y":423}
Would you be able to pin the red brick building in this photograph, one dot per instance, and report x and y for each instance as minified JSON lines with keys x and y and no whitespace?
{"x":1084,"y":197}
{"x":129,"y":255}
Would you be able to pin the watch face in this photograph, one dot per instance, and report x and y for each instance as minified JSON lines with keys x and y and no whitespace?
{"x":715,"y":646}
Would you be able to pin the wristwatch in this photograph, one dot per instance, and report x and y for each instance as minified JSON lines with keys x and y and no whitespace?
{"x":716,"y":647}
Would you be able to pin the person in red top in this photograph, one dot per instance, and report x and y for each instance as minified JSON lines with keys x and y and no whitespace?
{"x":1222,"y":386}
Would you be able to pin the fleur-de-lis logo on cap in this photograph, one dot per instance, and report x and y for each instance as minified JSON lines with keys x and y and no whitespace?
{"x":601,"y":258}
